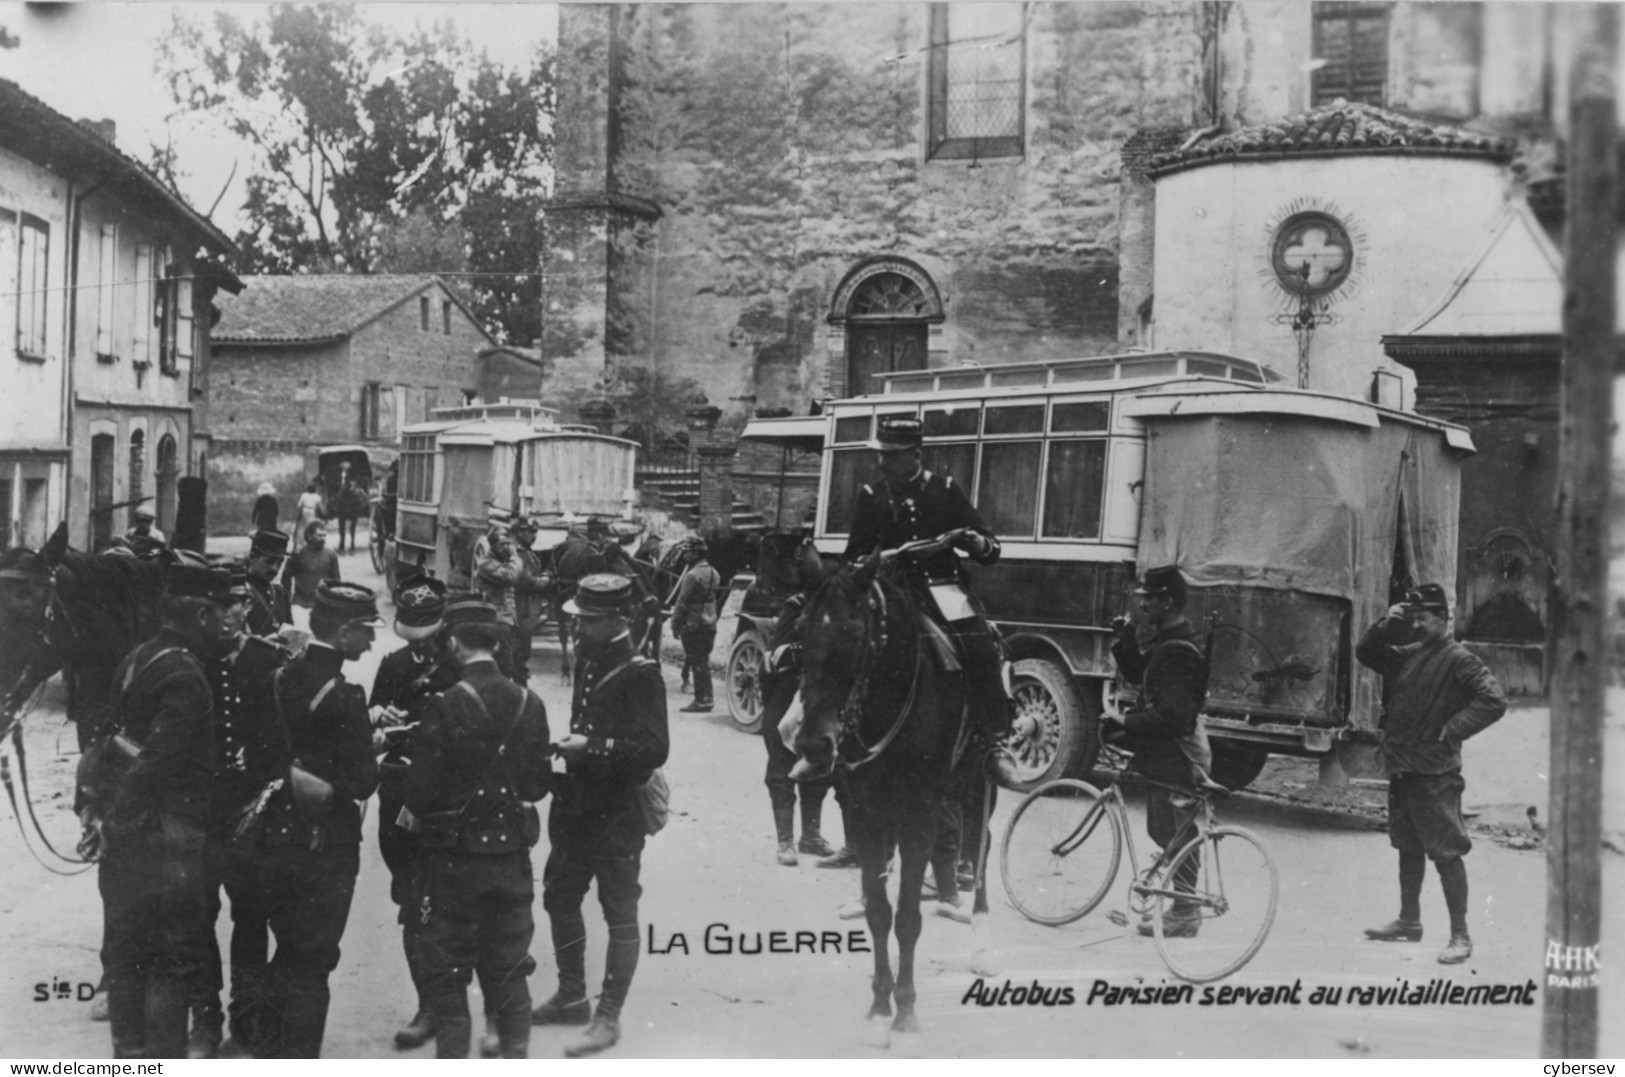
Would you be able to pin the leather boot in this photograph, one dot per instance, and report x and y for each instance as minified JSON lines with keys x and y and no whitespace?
{"x":784,"y":823}
{"x":513,"y":1029}
{"x":451,"y":1037}
{"x":812,"y":842}
{"x":417,"y":1032}
{"x":168,"y":1011}
{"x":491,"y":1039}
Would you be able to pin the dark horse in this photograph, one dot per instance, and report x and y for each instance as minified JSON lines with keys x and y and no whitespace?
{"x":63,"y":610}
{"x":877,"y":703}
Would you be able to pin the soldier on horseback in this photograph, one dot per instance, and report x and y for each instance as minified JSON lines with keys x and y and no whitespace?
{"x":910,"y":504}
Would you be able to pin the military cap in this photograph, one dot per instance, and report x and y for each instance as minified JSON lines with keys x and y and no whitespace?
{"x":420,"y":605}
{"x":187,"y":580}
{"x":350,"y":602}
{"x":145,"y":514}
{"x":1430,"y":597}
{"x":596,"y":526}
{"x":897,"y":433}
{"x":468,"y":609}
{"x":1162,"y":582}
{"x":625,"y":529}
{"x":603,"y":594}
{"x":696,"y":545}
{"x":268,"y":543}
{"x":239,"y":579}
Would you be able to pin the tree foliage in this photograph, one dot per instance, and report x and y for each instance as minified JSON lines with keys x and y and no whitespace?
{"x":376,"y":152}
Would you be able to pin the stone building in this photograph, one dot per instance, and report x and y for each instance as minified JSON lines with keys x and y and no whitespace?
{"x":106,"y":283}
{"x":307,"y":361}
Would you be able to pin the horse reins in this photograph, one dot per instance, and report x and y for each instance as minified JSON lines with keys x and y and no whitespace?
{"x":852,"y":708}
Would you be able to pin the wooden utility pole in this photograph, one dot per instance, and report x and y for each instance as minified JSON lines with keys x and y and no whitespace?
{"x":1572,"y":970}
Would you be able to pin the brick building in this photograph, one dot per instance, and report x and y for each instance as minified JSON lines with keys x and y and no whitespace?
{"x":106,"y":283}
{"x":307,"y":361}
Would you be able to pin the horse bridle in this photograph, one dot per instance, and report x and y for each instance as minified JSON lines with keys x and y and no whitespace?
{"x":852,"y":707}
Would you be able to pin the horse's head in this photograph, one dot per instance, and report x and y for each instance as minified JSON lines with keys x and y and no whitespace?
{"x":25,"y":594}
{"x":842,"y":628}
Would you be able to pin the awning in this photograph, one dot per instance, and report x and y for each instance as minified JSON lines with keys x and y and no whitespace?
{"x":804,"y":433}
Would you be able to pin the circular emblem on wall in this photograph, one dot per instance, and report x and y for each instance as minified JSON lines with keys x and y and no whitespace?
{"x":1314,"y":253}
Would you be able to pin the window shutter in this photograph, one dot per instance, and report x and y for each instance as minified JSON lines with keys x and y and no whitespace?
{"x":11,"y":301}
{"x":183,"y":319}
{"x":106,"y":286}
{"x":143,"y":303}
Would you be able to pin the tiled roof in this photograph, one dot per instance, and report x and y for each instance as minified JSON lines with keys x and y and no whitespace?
{"x":37,"y":132}
{"x":314,"y":307}
{"x":1339,"y":128}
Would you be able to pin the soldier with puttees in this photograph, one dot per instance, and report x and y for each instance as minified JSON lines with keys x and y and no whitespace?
{"x":1164,"y":727}
{"x":406,"y":680}
{"x":145,"y":795}
{"x":694,"y":620}
{"x":246,"y":741}
{"x":479,"y":762}
{"x":268,"y":605}
{"x":908,"y":504}
{"x":1435,"y":694}
{"x":300,"y":875}
{"x":617,"y":738}
{"x":496,"y":574}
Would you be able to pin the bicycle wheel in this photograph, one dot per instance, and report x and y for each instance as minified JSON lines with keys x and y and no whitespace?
{"x":1215,"y":927}
{"x":1060,"y":851}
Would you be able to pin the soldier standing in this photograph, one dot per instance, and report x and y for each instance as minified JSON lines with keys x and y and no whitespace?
{"x":406,"y":679}
{"x":301,"y":878}
{"x":245,"y":737}
{"x":145,"y":816}
{"x":268,"y":605}
{"x":479,"y":761}
{"x":694,"y":619}
{"x":617,"y":738}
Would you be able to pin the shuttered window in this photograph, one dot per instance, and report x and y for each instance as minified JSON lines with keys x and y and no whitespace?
{"x":1351,"y":46}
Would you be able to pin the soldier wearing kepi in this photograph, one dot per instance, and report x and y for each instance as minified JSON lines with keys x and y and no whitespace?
{"x":146,"y":799}
{"x":302,"y":875}
{"x":406,"y":679}
{"x":245,"y":736}
{"x":1435,"y":694}
{"x":694,"y":620}
{"x":479,"y":762}
{"x":908,"y":504}
{"x":618,"y":736}
{"x":268,"y":605}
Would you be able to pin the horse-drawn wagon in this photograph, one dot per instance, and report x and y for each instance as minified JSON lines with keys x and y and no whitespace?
{"x":1296,"y":516}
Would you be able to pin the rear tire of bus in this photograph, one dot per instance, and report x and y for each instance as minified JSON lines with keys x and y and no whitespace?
{"x":1056,"y":731}
{"x":1235,"y":766}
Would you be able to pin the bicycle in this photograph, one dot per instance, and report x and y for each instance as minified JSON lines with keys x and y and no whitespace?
{"x":1220,"y":887}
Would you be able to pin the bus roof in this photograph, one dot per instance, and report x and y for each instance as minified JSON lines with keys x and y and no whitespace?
{"x":1078,"y":372}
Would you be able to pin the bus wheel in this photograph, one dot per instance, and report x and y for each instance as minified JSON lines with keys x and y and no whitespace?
{"x":1236,"y":765}
{"x":1050,"y":724}
{"x":742,"y":680}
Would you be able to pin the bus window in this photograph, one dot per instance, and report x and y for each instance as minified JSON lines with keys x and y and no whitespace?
{"x":1016,"y":419}
{"x":1008,"y":487}
{"x":1081,"y":416}
{"x":1149,"y":368}
{"x":852,"y":428}
{"x":957,"y":461}
{"x":849,"y":469}
{"x":958,"y":422}
{"x":1073,"y":484}
{"x":1020,"y":377}
{"x":1208,"y":367}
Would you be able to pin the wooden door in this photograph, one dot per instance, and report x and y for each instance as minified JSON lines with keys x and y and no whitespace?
{"x":882,"y":348}
{"x":101,"y":491}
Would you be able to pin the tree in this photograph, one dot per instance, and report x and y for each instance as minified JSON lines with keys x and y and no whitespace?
{"x":375,"y":152}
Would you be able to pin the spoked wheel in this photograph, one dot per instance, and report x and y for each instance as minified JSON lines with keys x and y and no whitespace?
{"x":1060,"y":852}
{"x":742,"y":681}
{"x":1225,"y":889}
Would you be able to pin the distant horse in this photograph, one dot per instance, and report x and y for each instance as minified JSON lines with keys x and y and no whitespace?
{"x":877,"y":704}
{"x":79,"y":613}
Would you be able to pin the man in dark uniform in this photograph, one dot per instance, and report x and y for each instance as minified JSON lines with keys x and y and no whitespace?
{"x":1164,"y":728}
{"x":479,"y":762}
{"x":302,"y":876}
{"x":617,"y":738}
{"x":268,"y":605}
{"x":694,"y":620}
{"x":908,"y":504}
{"x":1435,"y":694}
{"x":246,"y":733}
{"x":406,"y":679}
{"x":145,"y":816}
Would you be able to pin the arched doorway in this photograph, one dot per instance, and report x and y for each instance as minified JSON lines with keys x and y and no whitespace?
{"x":168,"y":470}
{"x":101,"y":490}
{"x":888,"y":306}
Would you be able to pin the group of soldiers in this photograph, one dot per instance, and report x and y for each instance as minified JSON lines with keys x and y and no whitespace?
{"x":235,"y":763}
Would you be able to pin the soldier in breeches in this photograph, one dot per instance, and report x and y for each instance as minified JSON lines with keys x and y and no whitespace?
{"x":146,"y":821}
{"x":618,"y":736}
{"x":301,"y":876}
{"x":406,"y":679}
{"x":246,"y":733}
{"x":479,"y":762}
{"x":1435,"y":694}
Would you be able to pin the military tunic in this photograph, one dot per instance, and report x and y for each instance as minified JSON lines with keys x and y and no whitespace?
{"x":480,"y":759}
{"x":268,"y":607}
